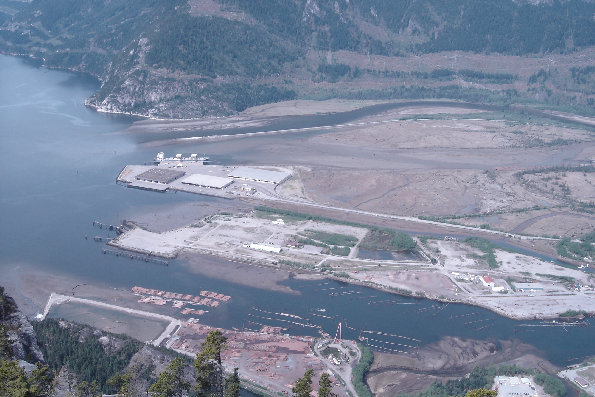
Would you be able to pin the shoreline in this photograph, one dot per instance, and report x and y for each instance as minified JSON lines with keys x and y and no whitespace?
{"x":300,"y":274}
{"x":503,"y":313}
{"x":546,"y":110}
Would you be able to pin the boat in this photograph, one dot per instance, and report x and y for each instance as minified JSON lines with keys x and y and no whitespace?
{"x":181,"y":158}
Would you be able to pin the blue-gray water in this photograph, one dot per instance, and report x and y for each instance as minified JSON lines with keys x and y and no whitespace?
{"x":59,"y":162}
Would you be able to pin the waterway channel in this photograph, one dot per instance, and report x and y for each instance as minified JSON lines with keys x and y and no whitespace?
{"x":59,"y":162}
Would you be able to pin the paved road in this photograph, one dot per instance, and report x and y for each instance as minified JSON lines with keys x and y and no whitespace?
{"x":279,"y":198}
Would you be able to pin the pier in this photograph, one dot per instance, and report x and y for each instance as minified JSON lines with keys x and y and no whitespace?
{"x":117,"y":229}
{"x":142,"y":258}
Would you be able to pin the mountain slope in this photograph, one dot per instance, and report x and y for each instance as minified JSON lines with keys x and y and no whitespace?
{"x":178,"y":59}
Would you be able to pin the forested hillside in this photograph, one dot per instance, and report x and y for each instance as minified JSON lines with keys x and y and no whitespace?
{"x":82,"y":361}
{"x":178,"y":58}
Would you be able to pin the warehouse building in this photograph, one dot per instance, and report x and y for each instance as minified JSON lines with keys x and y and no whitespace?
{"x":514,"y":386}
{"x":160,"y":175}
{"x":260,"y":175}
{"x":209,"y":181}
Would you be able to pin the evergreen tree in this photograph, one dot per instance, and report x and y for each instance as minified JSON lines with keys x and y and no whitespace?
{"x":303,"y":386}
{"x":212,"y":346}
{"x":41,"y":381}
{"x":5,"y":345}
{"x":123,"y":383}
{"x":232,"y":385}
{"x":13,"y":381}
{"x":325,"y":386}
{"x":209,"y":372}
{"x":171,"y":381}
{"x":87,"y":389}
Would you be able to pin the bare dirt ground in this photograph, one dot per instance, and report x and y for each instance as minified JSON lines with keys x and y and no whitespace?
{"x":578,"y":186}
{"x":306,"y":107}
{"x":446,"y":166}
{"x":452,"y":131}
{"x":271,"y":360}
{"x":161,"y":218}
{"x":556,"y":222}
{"x":430,"y":193}
{"x":426,"y":283}
{"x":394,"y":374}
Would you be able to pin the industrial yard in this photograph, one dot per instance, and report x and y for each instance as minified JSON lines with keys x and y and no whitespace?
{"x":267,"y":359}
{"x":470,"y":271}
{"x":370,"y":191}
{"x":193,"y":175}
{"x":583,"y":375}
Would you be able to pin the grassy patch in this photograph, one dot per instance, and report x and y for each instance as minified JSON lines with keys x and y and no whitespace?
{"x":332,"y":238}
{"x":487,"y":248}
{"x":299,"y":265}
{"x":376,"y":239}
{"x":309,"y":241}
{"x":331,"y":351}
{"x":573,"y":313}
{"x":552,"y":385}
{"x":563,"y":279}
{"x":341,"y":251}
{"x":484,"y":378}
{"x":424,"y":239}
{"x":360,"y":371}
{"x":584,"y":248}
{"x":342,"y":274}
{"x":287,"y":218}
{"x":389,"y":240}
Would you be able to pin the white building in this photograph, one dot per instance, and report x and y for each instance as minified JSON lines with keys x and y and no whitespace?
{"x":514,"y":386}
{"x":260,"y":175}
{"x":266,"y":248}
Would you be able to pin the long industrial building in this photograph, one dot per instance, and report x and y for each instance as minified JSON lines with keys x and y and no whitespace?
{"x":260,"y":175}
{"x":160,"y":175}
{"x":207,"y":181}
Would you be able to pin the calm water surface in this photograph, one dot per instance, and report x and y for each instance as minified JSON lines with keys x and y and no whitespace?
{"x":59,"y":162}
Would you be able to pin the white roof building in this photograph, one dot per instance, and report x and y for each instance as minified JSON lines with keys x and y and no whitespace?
{"x":260,"y":175}
{"x":266,"y":248}
{"x":207,"y":181}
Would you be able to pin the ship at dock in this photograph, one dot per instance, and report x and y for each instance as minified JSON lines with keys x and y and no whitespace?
{"x":195,"y":158}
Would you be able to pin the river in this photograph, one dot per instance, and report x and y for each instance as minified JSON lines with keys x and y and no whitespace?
{"x":59,"y":163}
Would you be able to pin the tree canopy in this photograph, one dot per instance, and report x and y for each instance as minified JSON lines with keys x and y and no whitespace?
{"x":481,"y":393}
{"x":171,"y":381}
{"x":325,"y":387}
{"x":232,"y":385}
{"x":303,"y":386}
{"x":209,"y":372}
{"x":14,"y":382}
